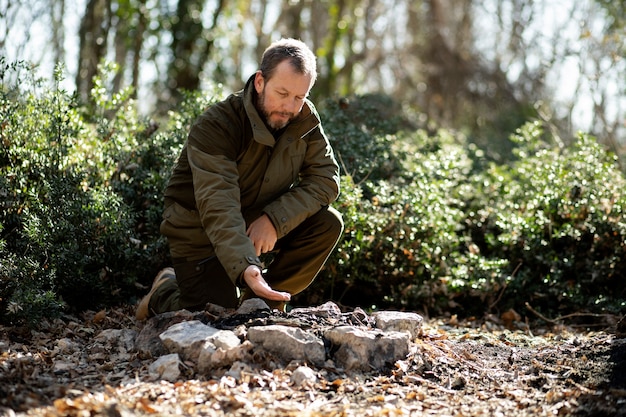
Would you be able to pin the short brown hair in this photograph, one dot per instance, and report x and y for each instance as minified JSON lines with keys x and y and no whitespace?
{"x":299,"y":55}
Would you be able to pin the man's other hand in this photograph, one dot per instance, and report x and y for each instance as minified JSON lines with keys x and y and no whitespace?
{"x":262,"y":234}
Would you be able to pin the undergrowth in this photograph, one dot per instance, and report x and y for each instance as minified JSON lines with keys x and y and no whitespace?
{"x":431,"y":224}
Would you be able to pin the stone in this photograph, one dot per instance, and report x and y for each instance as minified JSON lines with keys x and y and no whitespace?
{"x":251,"y":305}
{"x":303,"y":375}
{"x":288,"y":343}
{"x":304,"y":338}
{"x":212,"y":357}
{"x":326,"y":310}
{"x":358,"y":349}
{"x":399,"y":321}
{"x":191,"y":338}
{"x":209,"y":348}
{"x":237,"y":369}
{"x":148,"y":343}
{"x":167,"y":368}
{"x":123,"y":339}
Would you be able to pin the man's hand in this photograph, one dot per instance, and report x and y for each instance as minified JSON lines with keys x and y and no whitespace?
{"x":262,"y":234}
{"x":253,"y":277}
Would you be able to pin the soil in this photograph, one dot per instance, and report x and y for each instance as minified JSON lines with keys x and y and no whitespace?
{"x":492,"y":366}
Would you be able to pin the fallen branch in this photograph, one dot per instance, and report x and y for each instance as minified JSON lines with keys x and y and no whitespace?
{"x":567,"y":316}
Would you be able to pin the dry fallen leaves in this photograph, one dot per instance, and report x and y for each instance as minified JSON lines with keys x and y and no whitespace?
{"x":454,"y":368}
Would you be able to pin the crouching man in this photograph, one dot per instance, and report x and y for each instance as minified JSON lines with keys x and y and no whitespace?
{"x":256,"y":176}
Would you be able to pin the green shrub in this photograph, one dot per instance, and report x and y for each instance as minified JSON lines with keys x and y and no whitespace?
{"x":445,"y":236}
{"x":81,"y":195}
{"x":403,"y":245}
{"x":557,"y":215}
{"x":431,"y":224}
{"x":362,"y":132}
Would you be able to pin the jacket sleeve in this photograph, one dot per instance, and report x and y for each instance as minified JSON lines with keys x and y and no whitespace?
{"x":318,"y":186}
{"x":216,"y":188}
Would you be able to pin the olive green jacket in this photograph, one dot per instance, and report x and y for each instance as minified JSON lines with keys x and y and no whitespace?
{"x":232,"y":170}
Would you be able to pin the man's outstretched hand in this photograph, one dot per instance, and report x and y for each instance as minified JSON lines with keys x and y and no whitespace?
{"x":253,"y":277}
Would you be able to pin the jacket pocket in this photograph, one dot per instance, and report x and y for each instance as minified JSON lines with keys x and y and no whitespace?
{"x":181,"y":223}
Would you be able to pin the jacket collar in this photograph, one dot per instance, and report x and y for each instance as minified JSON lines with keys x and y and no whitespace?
{"x":306,"y":121}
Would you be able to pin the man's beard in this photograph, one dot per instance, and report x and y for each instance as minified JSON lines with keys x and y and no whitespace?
{"x":275,"y":126}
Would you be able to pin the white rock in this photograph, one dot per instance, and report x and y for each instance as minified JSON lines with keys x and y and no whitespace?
{"x":189,"y":338}
{"x":225,"y":339}
{"x":365,"y":350}
{"x":328,"y":309}
{"x":288,"y":343}
{"x":237,"y":368}
{"x":399,"y":321}
{"x":167,"y":367}
{"x":206,"y":346}
{"x":212,"y":357}
{"x":303,"y":375}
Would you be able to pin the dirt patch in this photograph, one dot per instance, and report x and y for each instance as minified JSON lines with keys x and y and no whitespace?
{"x":477,"y":367}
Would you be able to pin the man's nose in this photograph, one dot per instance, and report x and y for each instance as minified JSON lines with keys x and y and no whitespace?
{"x":291,"y":105}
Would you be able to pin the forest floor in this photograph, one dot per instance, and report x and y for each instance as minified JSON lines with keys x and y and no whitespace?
{"x":468,"y":368}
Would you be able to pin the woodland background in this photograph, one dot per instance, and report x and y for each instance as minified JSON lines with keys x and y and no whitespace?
{"x":467,"y":187}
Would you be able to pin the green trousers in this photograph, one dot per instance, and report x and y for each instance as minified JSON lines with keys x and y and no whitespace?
{"x":296,"y":260}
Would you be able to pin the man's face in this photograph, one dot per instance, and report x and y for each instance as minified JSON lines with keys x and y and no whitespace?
{"x":281,"y":97}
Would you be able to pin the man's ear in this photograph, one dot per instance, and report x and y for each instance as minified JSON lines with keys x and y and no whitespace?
{"x":259,"y":82}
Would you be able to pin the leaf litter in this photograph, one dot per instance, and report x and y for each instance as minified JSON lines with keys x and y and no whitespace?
{"x":492,"y":366}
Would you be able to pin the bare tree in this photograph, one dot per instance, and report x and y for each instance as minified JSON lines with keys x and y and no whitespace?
{"x":481,"y":65}
{"x":93,"y":35}
{"x":57,"y":11}
{"x":191,"y":46}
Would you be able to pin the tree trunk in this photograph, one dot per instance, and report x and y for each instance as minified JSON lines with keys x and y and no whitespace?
{"x":191,"y":46}
{"x":93,"y":33}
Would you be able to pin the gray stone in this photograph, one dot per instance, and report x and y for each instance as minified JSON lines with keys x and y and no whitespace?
{"x":212,"y":357}
{"x":122,"y":339}
{"x":365,"y":350}
{"x":303,"y":375}
{"x":288,"y":343}
{"x":209,"y":348}
{"x":252,"y":305}
{"x":399,"y":322}
{"x":190,"y":338}
{"x":326,"y":310}
{"x":237,"y":369}
{"x":167,"y":367}
{"x":148,"y":343}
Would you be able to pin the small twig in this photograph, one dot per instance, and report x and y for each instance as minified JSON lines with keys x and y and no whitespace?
{"x":497,"y":300}
{"x":565,"y":317}
{"x":538,"y":314}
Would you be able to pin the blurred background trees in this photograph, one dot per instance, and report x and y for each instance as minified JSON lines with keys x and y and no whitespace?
{"x":482,"y":67}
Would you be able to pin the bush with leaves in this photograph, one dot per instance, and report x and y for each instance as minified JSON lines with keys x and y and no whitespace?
{"x":403,"y":245}
{"x":362,"y":132}
{"x":443,"y":235}
{"x":58,"y":227}
{"x":81,"y":195}
{"x":431,"y":225}
{"x":557,"y":215}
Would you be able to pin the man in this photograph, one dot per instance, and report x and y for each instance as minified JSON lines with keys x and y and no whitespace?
{"x":256,"y":176}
